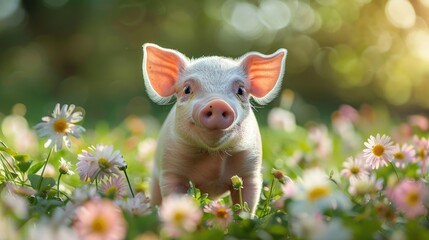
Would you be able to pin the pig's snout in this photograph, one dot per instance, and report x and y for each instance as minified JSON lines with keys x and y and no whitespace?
{"x":216,"y":115}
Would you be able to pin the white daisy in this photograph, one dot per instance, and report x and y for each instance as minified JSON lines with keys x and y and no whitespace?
{"x":403,"y":154}
{"x":179,"y":214}
{"x":58,"y":127}
{"x":315,"y":193}
{"x":379,"y":151}
{"x":65,"y":167}
{"x":354,"y":168}
{"x":138,"y":205}
{"x":98,"y":162}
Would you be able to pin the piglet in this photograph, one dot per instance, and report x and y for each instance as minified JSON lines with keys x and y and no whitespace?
{"x":211,"y":133}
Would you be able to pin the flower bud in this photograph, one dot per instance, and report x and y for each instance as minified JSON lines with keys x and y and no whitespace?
{"x":237,"y":182}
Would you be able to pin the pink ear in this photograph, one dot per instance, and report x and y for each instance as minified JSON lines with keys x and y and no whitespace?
{"x":264,"y":72}
{"x":161,"y":69}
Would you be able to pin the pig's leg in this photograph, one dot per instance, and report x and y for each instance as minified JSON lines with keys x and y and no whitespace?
{"x":155,"y":193}
{"x":250,"y":192}
{"x":173,"y":184}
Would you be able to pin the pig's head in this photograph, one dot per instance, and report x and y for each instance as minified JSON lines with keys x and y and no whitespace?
{"x":213,"y":93}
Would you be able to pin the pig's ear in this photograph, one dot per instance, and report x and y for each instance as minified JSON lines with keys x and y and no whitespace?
{"x":265,"y":73}
{"x":161,"y":70}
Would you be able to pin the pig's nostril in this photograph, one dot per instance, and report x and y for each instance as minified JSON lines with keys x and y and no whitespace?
{"x":225,"y":114}
{"x":209,"y":114}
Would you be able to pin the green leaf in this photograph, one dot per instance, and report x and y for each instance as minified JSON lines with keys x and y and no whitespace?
{"x":8,"y":151}
{"x":46,"y":182}
{"x":236,"y":207}
{"x":36,"y":167}
{"x":24,"y":166}
{"x":21,"y":157}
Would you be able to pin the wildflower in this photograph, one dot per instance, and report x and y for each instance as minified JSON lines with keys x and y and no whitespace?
{"x":279,"y":118}
{"x":138,"y":205}
{"x":379,"y":151}
{"x":422,"y":152}
{"x":315,"y":192}
{"x":319,"y":138}
{"x":354,"y":168}
{"x":312,"y":227}
{"x":279,"y":175}
{"x":65,"y":167}
{"x":237,"y":182}
{"x":100,"y":219}
{"x":113,"y":187}
{"x":58,"y":127}
{"x":98,"y":162}
{"x":408,"y":197}
{"x":403,"y":155}
{"x":365,"y":186}
{"x":222,"y":214}
{"x":179,"y":214}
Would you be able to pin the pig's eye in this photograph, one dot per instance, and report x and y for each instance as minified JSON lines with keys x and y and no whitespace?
{"x":240,"y":91}
{"x":187,"y":90}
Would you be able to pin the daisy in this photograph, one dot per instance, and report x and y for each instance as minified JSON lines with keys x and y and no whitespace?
{"x":403,"y":154}
{"x":222,"y":214}
{"x":422,"y":152}
{"x":365,"y":186}
{"x":98,"y":162}
{"x":179,"y":214}
{"x":408,"y":197}
{"x":100,"y":219}
{"x":58,"y":127}
{"x":315,"y":192}
{"x":379,"y":151}
{"x":113,"y":187}
{"x":354,"y":168}
{"x":138,"y":205}
{"x":65,"y":167}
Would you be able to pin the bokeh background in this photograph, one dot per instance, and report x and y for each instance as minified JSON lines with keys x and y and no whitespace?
{"x":89,"y":52}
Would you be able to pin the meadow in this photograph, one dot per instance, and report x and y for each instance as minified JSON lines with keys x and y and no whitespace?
{"x":362,"y":175}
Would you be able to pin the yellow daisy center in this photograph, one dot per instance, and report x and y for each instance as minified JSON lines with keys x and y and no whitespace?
{"x":421,"y":153}
{"x":178,"y":217}
{"x":355,"y":170}
{"x":103,"y":163}
{"x":99,"y":224}
{"x":221,"y":213}
{"x":111,"y":192}
{"x":412,"y":198}
{"x":378,"y":150}
{"x":399,"y":156}
{"x":60,"y":125}
{"x":318,"y":193}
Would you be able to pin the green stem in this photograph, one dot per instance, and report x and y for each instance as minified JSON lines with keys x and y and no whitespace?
{"x":96,"y":179}
{"x":43,"y":170}
{"x":266,"y":211}
{"x":241,"y":198}
{"x":58,"y":185}
{"x":128,"y":180}
{"x":394,"y":169}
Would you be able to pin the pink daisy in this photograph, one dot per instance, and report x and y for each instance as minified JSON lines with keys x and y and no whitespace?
{"x":354,"y":168}
{"x":179,"y":214}
{"x":379,"y":151}
{"x":113,"y":187}
{"x":100,"y":161}
{"x":403,"y":154}
{"x":408,"y":197}
{"x":100,"y":219}
{"x":422,"y":152}
{"x":139,"y":205}
{"x":222,"y":214}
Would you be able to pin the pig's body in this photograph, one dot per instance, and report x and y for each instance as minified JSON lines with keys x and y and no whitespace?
{"x":211,"y":133}
{"x":178,"y":162}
